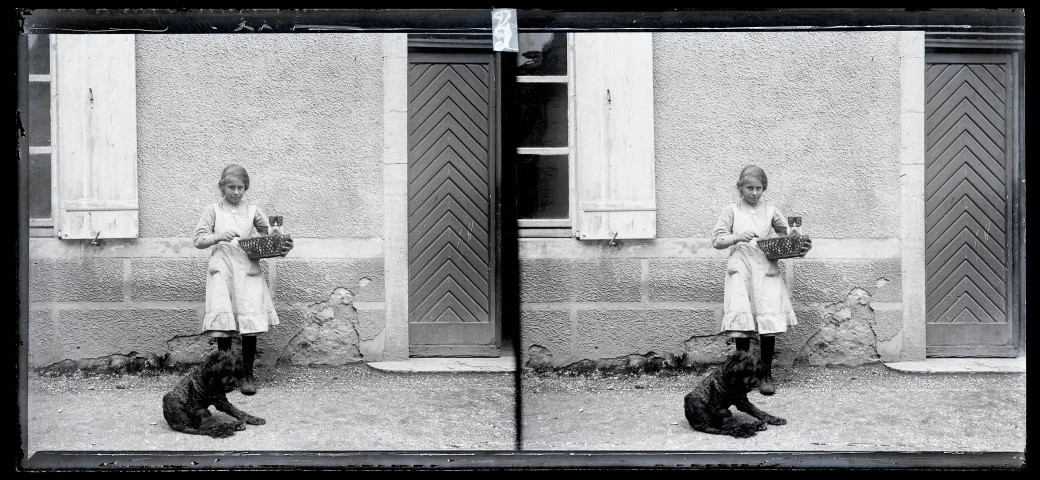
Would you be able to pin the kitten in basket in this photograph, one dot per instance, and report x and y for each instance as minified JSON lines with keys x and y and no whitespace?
{"x":276,"y":225}
{"x":276,"y":243}
{"x":795,"y":243}
{"x":794,"y":226}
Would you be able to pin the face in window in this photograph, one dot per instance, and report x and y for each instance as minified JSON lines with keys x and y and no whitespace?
{"x":233,"y":190}
{"x":751,"y":190}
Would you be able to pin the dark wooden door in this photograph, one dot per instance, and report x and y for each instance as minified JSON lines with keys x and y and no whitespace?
{"x":452,"y":207}
{"x":970,"y":160}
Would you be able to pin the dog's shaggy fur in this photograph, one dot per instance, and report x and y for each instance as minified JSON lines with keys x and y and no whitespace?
{"x":186,"y":407}
{"x":707,"y":406}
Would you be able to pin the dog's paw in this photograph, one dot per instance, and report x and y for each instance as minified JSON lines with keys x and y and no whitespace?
{"x":745,"y":431}
{"x":255,"y":420}
{"x":223,"y":431}
{"x":759,"y":426}
{"x":239,"y":425}
{"x":775,"y":421}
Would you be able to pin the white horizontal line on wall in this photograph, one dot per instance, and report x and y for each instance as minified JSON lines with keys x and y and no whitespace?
{"x":374,"y":306}
{"x":303,"y":248}
{"x":369,"y":306}
{"x":131,"y":305}
{"x":567,"y":306}
{"x":619,"y":305}
{"x":823,"y":248}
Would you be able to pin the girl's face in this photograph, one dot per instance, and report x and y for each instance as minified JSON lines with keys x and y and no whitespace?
{"x":751,"y":190}
{"x":233,"y":190}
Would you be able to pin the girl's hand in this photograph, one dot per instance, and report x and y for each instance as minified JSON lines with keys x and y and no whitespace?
{"x":806,"y":246}
{"x":746,"y":236}
{"x":226,"y":236}
{"x":287,"y":244}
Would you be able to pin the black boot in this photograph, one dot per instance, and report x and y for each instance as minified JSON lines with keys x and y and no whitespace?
{"x":768,"y":342}
{"x":248,"y":354}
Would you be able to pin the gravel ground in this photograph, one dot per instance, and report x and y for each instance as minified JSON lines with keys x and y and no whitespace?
{"x":867,"y":408}
{"x":352,"y":408}
{"x":358,"y":409}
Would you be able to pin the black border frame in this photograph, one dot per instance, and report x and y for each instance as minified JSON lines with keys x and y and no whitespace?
{"x":984,"y":23}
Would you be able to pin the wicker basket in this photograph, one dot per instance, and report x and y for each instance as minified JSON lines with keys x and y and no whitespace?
{"x":789,"y":246}
{"x":264,"y":247}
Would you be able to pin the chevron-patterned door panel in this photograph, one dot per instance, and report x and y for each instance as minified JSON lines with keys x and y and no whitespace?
{"x":969,"y":125}
{"x":451,"y":209}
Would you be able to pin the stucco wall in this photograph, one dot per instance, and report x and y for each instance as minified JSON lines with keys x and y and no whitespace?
{"x":307,"y":115}
{"x":302,"y":112}
{"x":819,"y":111}
{"x":822,"y":113}
{"x":590,"y":301}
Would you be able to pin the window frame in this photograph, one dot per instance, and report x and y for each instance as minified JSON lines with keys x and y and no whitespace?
{"x":555,"y":227}
{"x":47,"y":226}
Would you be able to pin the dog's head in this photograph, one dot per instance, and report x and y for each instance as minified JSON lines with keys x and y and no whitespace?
{"x":223,"y":369}
{"x":744,"y":370}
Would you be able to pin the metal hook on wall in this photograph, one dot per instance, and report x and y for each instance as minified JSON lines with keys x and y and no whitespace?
{"x":613,"y":241}
{"x":96,"y":242}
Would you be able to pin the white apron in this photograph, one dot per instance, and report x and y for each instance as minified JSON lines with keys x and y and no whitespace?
{"x":237,"y":296}
{"x":755,"y":298}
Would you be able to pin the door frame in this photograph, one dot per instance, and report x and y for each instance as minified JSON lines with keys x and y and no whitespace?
{"x":1013,"y":45}
{"x":423,"y":44}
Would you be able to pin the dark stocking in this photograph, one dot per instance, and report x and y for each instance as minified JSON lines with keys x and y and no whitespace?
{"x":768,"y":342}
{"x":248,"y":354}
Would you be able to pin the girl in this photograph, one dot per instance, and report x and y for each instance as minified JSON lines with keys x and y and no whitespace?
{"x":756,"y":300}
{"x":238,"y":299}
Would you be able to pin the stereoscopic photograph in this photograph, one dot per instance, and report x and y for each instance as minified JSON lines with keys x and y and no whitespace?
{"x":511,"y":239}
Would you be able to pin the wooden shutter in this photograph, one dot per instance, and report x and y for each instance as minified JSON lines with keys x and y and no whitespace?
{"x":96,"y":135}
{"x":614,"y":129}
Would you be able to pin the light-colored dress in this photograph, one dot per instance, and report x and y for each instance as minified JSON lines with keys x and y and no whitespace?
{"x":755,"y":298}
{"x":238,"y":298}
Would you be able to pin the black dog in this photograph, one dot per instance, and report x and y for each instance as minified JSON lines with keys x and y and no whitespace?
{"x":707,"y":406}
{"x":186,"y":407}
